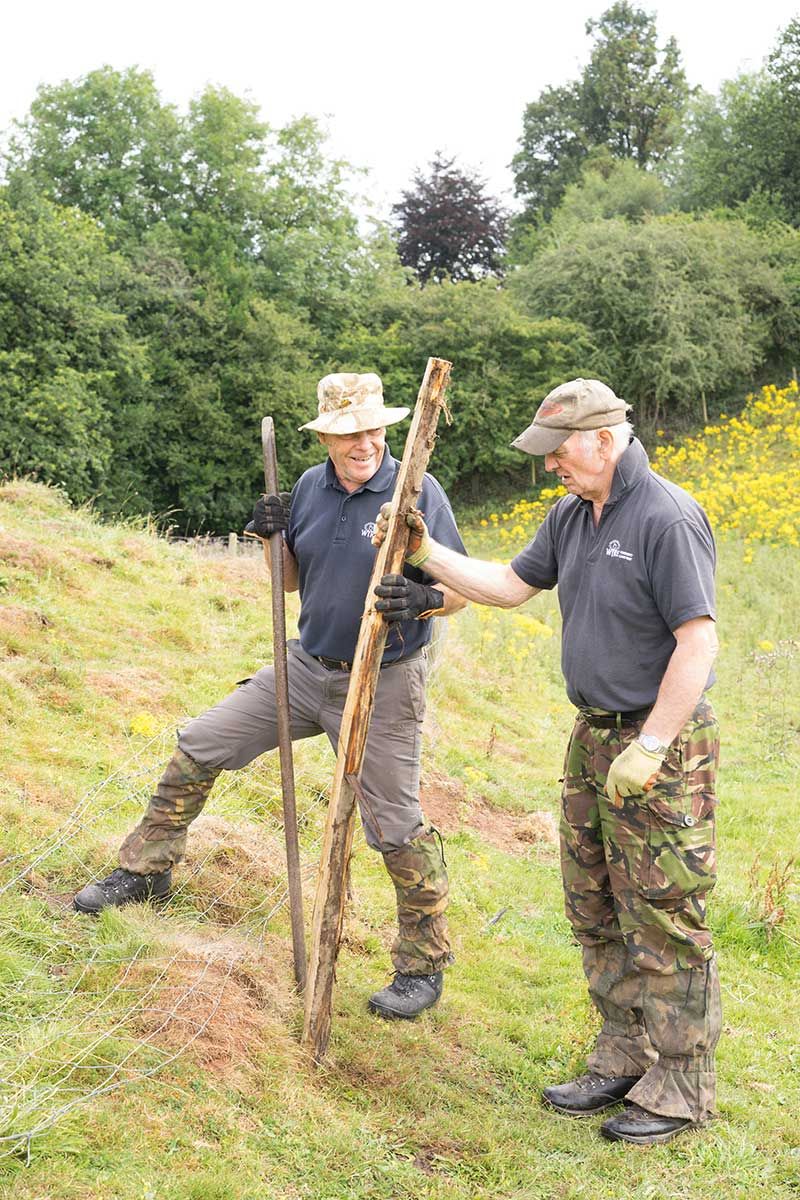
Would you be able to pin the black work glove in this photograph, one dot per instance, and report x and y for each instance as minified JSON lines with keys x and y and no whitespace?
{"x":404,"y":600}
{"x":271,"y":514}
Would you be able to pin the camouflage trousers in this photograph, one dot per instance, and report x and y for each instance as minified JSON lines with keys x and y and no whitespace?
{"x":419,"y":874}
{"x":159,"y":840}
{"x":636,"y":874}
{"x":417,"y":869}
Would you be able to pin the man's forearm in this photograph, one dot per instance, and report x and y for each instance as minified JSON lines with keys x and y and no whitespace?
{"x":684,"y":681}
{"x":291,"y":575}
{"x":476,"y":579}
{"x":291,"y":578}
{"x":453,"y":602}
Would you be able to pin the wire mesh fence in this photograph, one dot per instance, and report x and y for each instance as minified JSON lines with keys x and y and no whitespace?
{"x":92,"y":1005}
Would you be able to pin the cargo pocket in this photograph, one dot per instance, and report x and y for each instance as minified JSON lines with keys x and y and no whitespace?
{"x":679,"y":854}
{"x":679,"y":857}
{"x":415,"y":675}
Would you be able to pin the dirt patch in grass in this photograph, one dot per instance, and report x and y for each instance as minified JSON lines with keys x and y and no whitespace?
{"x":92,"y":558}
{"x":382,"y":1061}
{"x":129,"y":685}
{"x":217,"y":1000}
{"x":438,"y":1158}
{"x":446,"y":804}
{"x":14,"y":618}
{"x":29,"y":556}
{"x":142,"y":549}
{"x":232,"y":868}
{"x":43,"y":887}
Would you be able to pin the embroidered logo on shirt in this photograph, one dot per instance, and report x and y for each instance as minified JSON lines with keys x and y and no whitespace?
{"x":369,"y":529}
{"x":613,"y":551}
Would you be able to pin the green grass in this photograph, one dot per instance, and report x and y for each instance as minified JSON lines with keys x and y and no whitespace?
{"x":107,"y":630}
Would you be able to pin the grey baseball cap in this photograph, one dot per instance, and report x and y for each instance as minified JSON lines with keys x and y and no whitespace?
{"x":579,"y":404}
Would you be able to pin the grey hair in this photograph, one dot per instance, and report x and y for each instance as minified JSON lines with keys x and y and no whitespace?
{"x":621,"y":434}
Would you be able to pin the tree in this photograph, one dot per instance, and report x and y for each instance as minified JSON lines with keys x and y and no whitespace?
{"x":447,"y":225}
{"x":553,"y":150}
{"x":615,"y":189}
{"x":632,"y":93}
{"x":628,"y":100}
{"x":311,"y":257}
{"x":504,"y":363}
{"x":743,"y":142}
{"x":236,"y":275}
{"x":105,"y":144}
{"x":71,"y":374}
{"x":221,"y":209}
{"x":681,"y":311}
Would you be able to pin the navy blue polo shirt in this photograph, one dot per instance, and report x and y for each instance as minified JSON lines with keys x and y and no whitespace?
{"x":625,"y":584}
{"x":330,"y":534}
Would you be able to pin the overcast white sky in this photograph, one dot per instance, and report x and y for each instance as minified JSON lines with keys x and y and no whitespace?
{"x":392,"y":82}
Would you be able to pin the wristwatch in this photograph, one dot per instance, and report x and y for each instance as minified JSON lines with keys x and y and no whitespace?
{"x":649,"y":742}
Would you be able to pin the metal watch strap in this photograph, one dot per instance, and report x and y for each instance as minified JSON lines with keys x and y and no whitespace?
{"x":655,"y":747}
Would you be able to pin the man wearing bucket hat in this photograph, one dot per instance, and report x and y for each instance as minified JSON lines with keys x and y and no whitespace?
{"x":327,"y":523}
{"x":633,"y":558}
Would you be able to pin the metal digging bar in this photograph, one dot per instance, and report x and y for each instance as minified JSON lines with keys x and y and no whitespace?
{"x":282,"y":697}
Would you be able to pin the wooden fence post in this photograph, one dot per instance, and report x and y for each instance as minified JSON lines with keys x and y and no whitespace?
{"x":331,"y":882}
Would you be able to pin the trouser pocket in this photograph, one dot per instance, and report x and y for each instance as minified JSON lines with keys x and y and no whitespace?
{"x":679,"y":857}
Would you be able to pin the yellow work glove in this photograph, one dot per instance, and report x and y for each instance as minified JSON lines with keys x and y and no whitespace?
{"x":632,"y":772}
{"x":419,"y":541}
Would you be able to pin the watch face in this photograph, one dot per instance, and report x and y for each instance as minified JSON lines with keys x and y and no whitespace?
{"x":650,"y":742}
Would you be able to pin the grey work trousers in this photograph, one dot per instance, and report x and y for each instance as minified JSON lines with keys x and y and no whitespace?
{"x":244,"y":725}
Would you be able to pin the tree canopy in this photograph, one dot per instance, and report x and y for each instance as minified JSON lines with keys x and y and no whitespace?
{"x":675,"y":307}
{"x":169,"y":276}
{"x":744,"y":141}
{"x":628,"y":102}
{"x":448,"y":226}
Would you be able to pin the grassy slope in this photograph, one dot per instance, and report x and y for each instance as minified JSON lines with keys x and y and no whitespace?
{"x":104,"y":628}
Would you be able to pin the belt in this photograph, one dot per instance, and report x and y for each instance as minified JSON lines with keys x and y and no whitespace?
{"x":337,"y":664}
{"x":613,"y":720}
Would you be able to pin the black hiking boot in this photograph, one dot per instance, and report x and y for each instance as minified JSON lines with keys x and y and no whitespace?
{"x":122,"y":887}
{"x":588,"y":1093}
{"x":643,"y":1128}
{"x":407,"y":995}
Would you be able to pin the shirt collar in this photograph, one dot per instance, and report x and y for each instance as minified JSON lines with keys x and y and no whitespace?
{"x":632,"y":466}
{"x":380,"y":481}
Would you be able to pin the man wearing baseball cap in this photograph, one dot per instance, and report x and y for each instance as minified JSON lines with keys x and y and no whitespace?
{"x":633,"y":558}
{"x":327,"y":523}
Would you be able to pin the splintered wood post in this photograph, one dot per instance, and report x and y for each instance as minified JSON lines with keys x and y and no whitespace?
{"x":282,"y":706}
{"x":331,"y":882}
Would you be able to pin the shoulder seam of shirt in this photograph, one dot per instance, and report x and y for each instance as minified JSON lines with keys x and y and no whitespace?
{"x":684,"y":519}
{"x":660,"y":482}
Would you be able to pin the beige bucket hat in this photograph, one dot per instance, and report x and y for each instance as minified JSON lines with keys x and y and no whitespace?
{"x":350,"y":403}
{"x":579,"y":404}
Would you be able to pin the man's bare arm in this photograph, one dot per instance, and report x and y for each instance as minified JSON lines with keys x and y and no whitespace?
{"x":453,"y":602}
{"x":291,"y":580}
{"x":684,"y":679}
{"x":476,"y":579}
